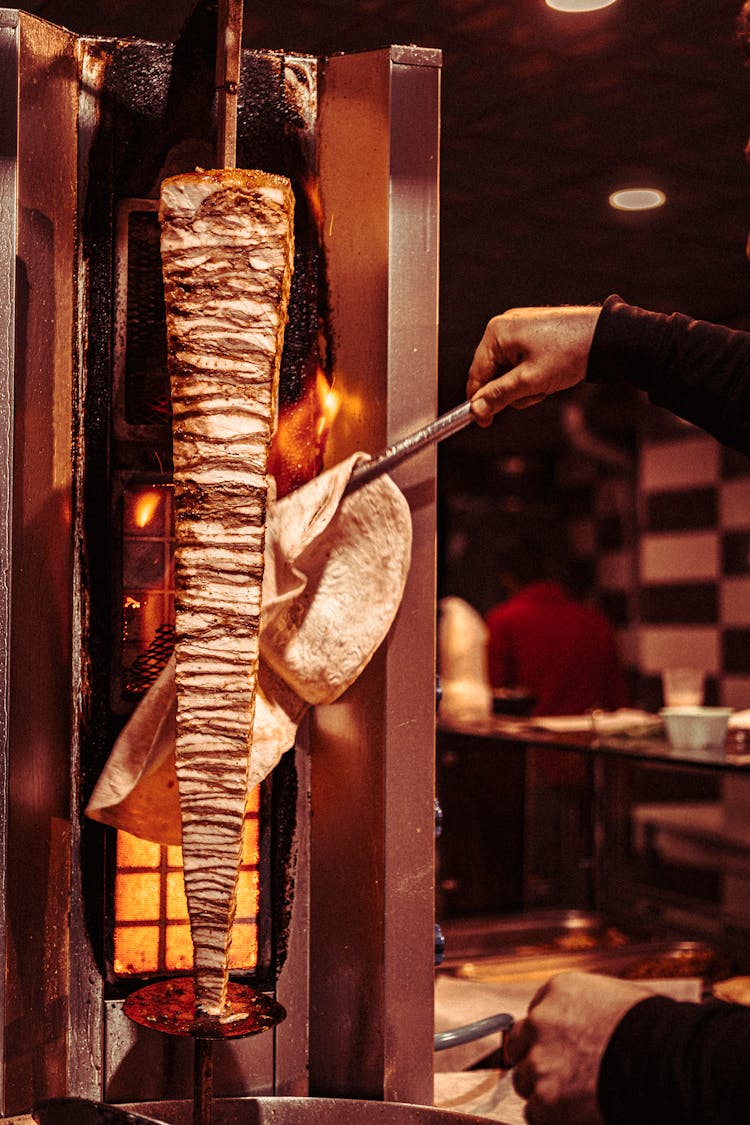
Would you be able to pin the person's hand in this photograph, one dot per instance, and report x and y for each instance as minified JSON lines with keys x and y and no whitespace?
{"x":557,"y":1050}
{"x":527,"y":354}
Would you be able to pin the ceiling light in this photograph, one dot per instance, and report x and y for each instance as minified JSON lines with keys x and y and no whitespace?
{"x":637,"y":199}
{"x":578,"y":5}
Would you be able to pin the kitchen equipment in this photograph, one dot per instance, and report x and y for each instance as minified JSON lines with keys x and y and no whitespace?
{"x":470,"y":1032}
{"x":87,"y":580}
{"x":534,"y":946}
{"x":390,"y":458}
{"x":169,"y":1007}
{"x":258,"y":1111}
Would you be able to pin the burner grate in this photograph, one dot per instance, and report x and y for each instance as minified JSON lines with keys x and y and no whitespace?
{"x":138,"y":677}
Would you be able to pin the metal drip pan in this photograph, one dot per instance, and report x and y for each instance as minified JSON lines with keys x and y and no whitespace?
{"x":252,"y":1111}
{"x":485,"y":936}
{"x":535,"y":947}
{"x":653,"y":961}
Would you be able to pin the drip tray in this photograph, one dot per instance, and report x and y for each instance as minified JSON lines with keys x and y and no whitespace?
{"x":253,"y":1111}
{"x":537,"y":946}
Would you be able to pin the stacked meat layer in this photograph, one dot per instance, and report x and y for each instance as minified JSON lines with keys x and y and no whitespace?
{"x":227,"y":250}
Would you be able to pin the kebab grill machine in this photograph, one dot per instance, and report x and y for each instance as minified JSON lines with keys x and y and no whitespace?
{"x":335,"y":909}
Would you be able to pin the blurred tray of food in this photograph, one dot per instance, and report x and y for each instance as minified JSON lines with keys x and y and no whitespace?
{"x":536,"y":946}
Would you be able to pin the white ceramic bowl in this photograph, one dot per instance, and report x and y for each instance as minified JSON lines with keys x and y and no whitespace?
{"x":696,"y":728}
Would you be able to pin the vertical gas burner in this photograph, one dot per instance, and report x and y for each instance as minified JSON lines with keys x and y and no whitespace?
{"x":143,"y":925}
{"x":343,"y":906}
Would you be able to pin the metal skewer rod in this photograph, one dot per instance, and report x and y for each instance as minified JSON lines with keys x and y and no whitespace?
{"x":203,"y":1082}
{"x":447,"y":424}
{"x":228,"y":59}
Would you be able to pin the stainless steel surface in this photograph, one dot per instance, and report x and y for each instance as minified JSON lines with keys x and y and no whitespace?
{"x":77,"y":1111}
{"x":655,"y":748}
{"x":478,"y":937}
{"x":536,"y":945}
{"x":653,"y":960}
{"x":373,"y":752}
{"x":255,"y":1111}
{"x":406,"y":447}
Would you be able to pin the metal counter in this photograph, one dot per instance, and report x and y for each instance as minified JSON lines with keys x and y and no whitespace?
{"x":733,"y":755}
{"x":658,"y":847}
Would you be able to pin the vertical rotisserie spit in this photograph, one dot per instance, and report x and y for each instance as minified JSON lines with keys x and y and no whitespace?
{"x":227,"y":250}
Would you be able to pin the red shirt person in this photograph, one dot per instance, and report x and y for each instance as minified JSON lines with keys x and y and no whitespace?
{"x":563,"y":651}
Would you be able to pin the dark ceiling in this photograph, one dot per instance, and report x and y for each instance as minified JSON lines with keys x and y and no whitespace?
{"x":543,"y":115}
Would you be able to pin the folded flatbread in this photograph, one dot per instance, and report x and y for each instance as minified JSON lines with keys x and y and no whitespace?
{"x":335,"y":569}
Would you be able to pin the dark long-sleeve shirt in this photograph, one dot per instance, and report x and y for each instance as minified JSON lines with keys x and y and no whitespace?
{"x":676,"y":1063}
{"x":699,"y":371}
{"x":671,"y":1063}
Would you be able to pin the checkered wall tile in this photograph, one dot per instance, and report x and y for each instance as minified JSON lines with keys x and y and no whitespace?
{"x":601,"y":528}
{"x":694,"y":563}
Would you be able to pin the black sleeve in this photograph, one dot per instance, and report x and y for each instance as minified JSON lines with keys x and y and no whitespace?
{"x":675,"y":1063}
{"x":699,"y":371}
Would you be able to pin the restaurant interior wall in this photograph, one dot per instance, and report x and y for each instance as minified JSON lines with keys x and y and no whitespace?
{"x":559,"y":496}
{"x":694,"y":562}
{"x":694,"y":608}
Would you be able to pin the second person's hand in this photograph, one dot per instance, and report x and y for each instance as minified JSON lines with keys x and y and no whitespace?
{"x":557,"y":1050}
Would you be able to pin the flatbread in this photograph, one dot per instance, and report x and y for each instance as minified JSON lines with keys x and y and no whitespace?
{"x":335,"y":569}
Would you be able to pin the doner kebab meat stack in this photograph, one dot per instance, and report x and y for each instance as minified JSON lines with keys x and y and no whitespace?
{"x":227,"y":252}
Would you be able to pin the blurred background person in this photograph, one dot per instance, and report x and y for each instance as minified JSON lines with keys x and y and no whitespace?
{"x":562,"y":650}
{"x":564,"y":653}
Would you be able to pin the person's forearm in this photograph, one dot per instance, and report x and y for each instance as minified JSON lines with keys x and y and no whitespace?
{"x":699,"y":371}
{"x":673,"y":1063}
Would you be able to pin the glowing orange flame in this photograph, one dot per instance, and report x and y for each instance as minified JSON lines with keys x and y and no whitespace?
{"x":312,"y":194}
{"x":330,"y":407}
{"x":145,"y":508}
{"x":298,"y":447}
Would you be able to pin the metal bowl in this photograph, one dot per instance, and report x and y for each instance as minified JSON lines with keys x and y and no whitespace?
{"x":251,"y":1111}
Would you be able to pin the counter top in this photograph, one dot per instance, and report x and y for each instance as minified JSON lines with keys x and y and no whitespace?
{"x":734,"y":755}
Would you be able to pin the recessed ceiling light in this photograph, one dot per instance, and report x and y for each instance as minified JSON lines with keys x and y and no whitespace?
{"x":637,"y":199}
{"x":578,"y":5}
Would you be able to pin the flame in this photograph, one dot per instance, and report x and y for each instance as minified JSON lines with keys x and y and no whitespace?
{"x":330,"y":407}
{"x":145,"y":508}
{"x":314,"y":202}
{"x":298,"y":447}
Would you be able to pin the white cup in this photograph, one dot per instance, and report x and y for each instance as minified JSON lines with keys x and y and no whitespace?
{"x":682,"y":687}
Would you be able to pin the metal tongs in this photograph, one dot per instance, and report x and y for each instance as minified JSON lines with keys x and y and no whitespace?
{"x":447,"y":424}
